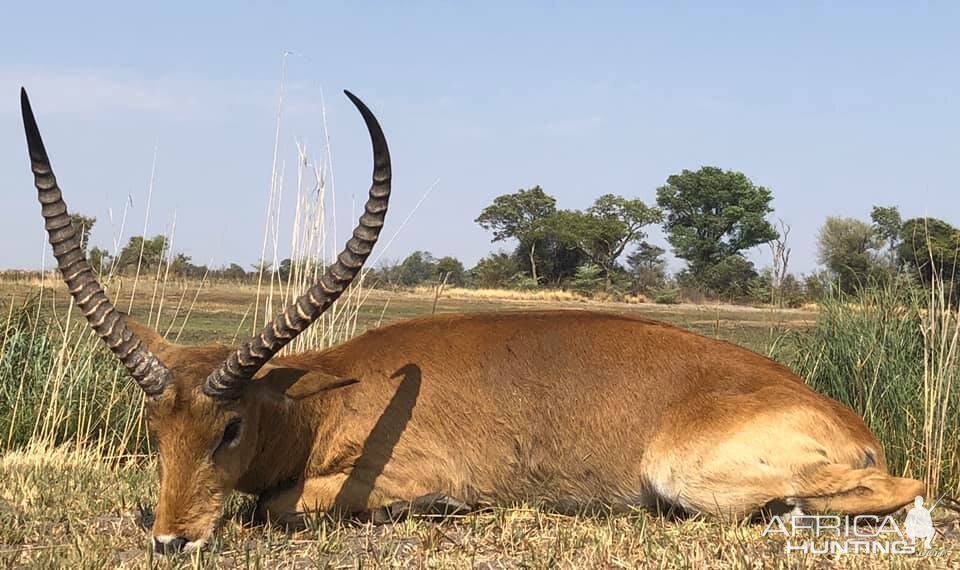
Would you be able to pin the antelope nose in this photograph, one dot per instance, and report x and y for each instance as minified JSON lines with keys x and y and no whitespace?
{"x":169,"y":544}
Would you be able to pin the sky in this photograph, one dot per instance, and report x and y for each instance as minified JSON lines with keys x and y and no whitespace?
{"x":833,"y":106}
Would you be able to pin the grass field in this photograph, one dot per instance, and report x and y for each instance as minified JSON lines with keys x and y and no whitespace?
{"x":219,"y":310}
{"x":72,"y":506}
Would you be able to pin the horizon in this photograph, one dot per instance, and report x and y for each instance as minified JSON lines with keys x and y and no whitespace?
{"x":834,"y":108}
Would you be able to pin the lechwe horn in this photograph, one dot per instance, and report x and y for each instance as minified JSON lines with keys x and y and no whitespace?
{"x":110,"y":325}
{"x":227,"y":381}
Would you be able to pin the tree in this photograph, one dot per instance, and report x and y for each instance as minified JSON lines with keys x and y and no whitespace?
{"x":887,"y":225}
{"x":931,"y":247}
{"x":519,"y":216}
{"x":648,"y":268}
{"x":614,"y":223}
{"x":780,"y":253}
{"x":182,"y":265}
{"x":713,"y":214}
{"x":285,"y":268}
{"x":451,"y":268}
{"x":817,"y":285}
{"x":603,"y":231}
{"x":730,"y":278}
{"x":791,"y":294}
{"x":846,"y":247}
{"x":589,"y":276}
{"x":100,"y":260}
{"x":495,"y":271}
{"x":557,"y":257}
{"x":417,"y":268}
{"x":261,"y":267}
{"x":153,"y":251}
{"x":233,"y":272}
{"x":83,"y":225}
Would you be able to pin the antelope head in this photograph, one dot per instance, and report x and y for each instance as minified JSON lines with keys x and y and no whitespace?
{"x":206,"y":406}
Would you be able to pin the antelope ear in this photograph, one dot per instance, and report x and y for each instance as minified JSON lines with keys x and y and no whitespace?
{"x":150,"y":338}
{"x":296,"y":383}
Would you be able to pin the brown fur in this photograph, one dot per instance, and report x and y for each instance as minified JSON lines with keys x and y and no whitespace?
{"x":572,"y":408}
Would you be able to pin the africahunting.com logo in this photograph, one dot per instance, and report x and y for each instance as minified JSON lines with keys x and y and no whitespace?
{"x":862,"y":534}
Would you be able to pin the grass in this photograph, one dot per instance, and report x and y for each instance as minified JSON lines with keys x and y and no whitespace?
{"x":70,"y":508}
{"x":60,"y":386}
{"x":221,"y":308}
{"x":538,"y":295}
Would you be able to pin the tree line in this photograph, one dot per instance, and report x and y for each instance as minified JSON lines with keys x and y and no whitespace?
{"x":148,"y":255}
{"x":711,"y":218}
{"x":857,"y":253}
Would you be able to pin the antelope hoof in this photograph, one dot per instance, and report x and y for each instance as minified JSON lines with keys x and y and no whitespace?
{"x":433,"y":505}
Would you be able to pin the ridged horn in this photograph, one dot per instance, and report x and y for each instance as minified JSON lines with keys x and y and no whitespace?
{"x":151,"y":375}
{"x":227,"y":381}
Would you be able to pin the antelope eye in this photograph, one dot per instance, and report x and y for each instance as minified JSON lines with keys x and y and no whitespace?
{"x":231,"y":433}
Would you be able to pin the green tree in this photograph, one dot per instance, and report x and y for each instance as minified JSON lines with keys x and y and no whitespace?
{"x":419,"y":267}
{"x":100,"y":260}
{"x":713,"y":214}
{"x":647,"y":267}
{"x":495,"y":271}
{"x":83,"y":225}
{"x":604,"y":230}
{"x":153,"y":251}
{"x":451,"y":268}
{"x":847,"y":248}
{"x":588,"y":278}
{"x":931,"y":247}
{"x":615,"y":223}
{"x":285,"y":269}
{"x":519,"y":216}
{"x":182,"y":265}
{"x":234,"y":272}
{"x":887,"y":225}
{"x":730,"y":278}
{"x":557,"y":257}
{"x":817,"y":285}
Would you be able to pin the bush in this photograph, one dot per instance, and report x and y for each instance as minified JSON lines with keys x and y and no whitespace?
{"x":587,"y":279}
{"x":495,"y":271}
{"x":760,"y":288}
{"x":667,"y":296}
{"x":523,"y":282}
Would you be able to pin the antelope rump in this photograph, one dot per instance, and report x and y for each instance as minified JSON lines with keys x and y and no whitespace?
{"x":571,"y":409}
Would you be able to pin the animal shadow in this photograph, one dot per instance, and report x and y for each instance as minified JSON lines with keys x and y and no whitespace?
{"x":379,"y":445}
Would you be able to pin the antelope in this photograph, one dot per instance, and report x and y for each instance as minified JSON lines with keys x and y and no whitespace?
{"x":569,"y":409}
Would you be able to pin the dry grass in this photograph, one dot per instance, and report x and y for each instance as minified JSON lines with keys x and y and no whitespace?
{"x":73,"y":508}
{"x":537,"y":295}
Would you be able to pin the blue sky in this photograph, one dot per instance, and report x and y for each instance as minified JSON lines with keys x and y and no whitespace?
{"x":834,"y":106}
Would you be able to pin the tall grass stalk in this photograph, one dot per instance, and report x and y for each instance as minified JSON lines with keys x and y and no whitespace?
{"x":890,"y":353}
{"x":940,"y":326}
{"x":312,"y":247}
{"x":146,"y":222}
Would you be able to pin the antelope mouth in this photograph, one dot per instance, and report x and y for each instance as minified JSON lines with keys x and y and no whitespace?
{"x":170,"y":544}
